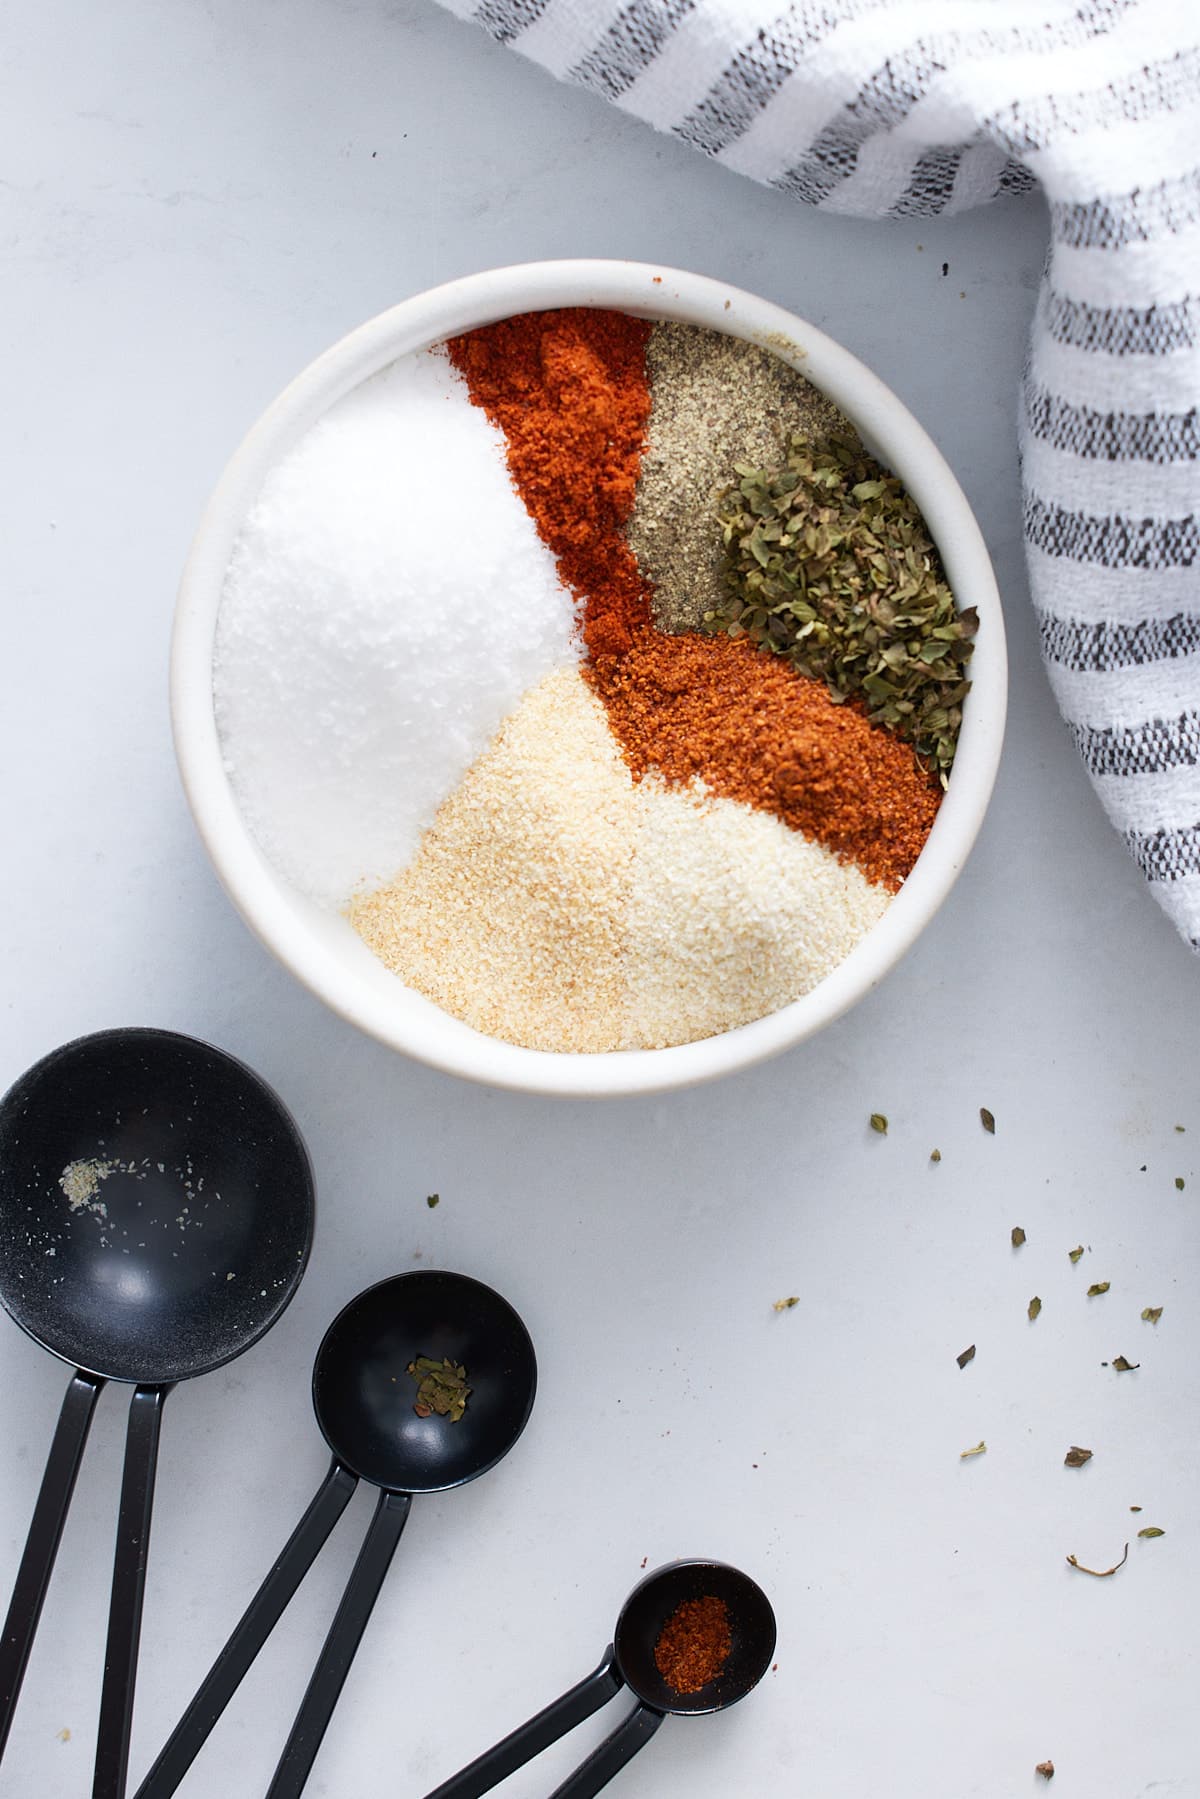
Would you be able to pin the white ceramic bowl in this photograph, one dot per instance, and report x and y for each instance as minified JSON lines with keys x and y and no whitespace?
{"x":321,"y":949}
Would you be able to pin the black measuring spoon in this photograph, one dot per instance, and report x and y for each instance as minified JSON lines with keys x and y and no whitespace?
{"x":156,"y":1214}
{"x":629,"y":1662}
{"x":364,"y":1399}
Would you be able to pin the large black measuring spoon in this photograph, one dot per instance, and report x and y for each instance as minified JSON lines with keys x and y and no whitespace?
{"x":364,"y":1399}
{"x":629,"y":1662}
{"x":156,"y":1214}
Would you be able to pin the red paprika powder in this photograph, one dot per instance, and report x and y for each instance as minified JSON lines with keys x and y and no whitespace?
{"x":694,"y":1643}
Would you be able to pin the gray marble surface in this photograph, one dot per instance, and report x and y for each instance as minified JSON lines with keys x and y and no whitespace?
{"x":194,"y":200}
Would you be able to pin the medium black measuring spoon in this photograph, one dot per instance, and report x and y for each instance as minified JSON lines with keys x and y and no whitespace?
{"x":364,"y":1398}
{"x":629,"y":1661}
{"x":156,"y":1214}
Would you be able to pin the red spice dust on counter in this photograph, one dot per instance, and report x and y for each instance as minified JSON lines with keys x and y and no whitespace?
{"x":694,"y":1643}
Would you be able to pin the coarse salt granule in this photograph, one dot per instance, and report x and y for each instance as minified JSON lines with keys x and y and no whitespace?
{"x":557,"y":904}
{"x":511,"y":916}
{"x":386,"y":605}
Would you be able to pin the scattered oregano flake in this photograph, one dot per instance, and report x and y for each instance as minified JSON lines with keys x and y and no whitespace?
{"x":1135,"y":1508}
{"x":1179,"y":1127}
{"x":1046,"y":1770}
{"x":785,"y":1305}
{"x":935,"y":1155}
{"x":987,"y":1121}
{"x":1124,"y":1367}
{"x":434,"y":1199}
{"x":979,"y":1449}
{"x":1018,"y":1236}
{"x":829,"y":564}
{"x":1097,"y":1288}
{"x":1033,"y":1308}
{"x":1179,"y":1182}
{"x":1152,"y":1530}
{"x":1100,"y":1573}
{"x":1076,"y":1457}
{"x":1076,"y":1252}
{"x":1152,"y":1314}
{"x":878,"y":1122}
{"x":968,"y":1355}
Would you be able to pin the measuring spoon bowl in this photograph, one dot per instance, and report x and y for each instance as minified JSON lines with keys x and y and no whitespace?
{"x":156,"y":1206}
{"x":156,"y":1216}
{"x":629,"y":1661}
{"x":363,"y":1393}
{"x":655,"y":1599}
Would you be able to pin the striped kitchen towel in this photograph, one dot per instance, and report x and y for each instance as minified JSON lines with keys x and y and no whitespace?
{"x":907,"y":108}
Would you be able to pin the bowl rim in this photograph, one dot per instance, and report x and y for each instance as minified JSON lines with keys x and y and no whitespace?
{"x":648,"y":291}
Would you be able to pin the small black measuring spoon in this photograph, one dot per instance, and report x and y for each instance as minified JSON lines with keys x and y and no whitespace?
{"x":156,"y":1214}
{"x":629,"y":1661}
{"x":364,"y":1399}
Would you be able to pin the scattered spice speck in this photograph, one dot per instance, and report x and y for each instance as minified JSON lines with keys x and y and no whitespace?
{"x":64,"y":1735}
{"x":935,"y":1155}
{"x":1076,"y":1252}
{"x":785,"y":1305}
{"x":879,"y":1123}
{"x":1033,"y":1308}
{"x":1018,"y":1236}
{"x":1151,"y":1530}
{"x":1135,"y":1508}
{"x":968,"y":1355}
{"x":434,"y":1199}
{"x":1151,"y":1314}
{"x":1179,"y":1183}
{"x":1046,"y":1770}
{"x":1179,"y":1127}
{"x":980,"y":1448}
{"x":1097,"y":1288}
{"x":1076,"y":1457}
{"x":1123,"y":1366}
{"x":1100,"y":1573}
{"x":987,"y":1121}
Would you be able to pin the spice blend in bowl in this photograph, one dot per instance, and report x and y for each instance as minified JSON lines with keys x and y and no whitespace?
{"x":587,"y":667}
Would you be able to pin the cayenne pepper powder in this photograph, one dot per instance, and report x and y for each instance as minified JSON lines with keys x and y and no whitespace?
{"x":570,"y":392}
{"x":694,"y":1643}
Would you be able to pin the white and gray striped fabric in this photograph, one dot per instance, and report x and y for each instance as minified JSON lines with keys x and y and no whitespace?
{"x":906,"y":108}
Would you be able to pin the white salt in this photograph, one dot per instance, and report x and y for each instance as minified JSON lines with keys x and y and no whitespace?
{"x":387,"y":603}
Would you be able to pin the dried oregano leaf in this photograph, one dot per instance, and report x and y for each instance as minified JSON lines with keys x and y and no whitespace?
{"x":935,"y":1155}
{"x":979,"y":1449}
{"x":1152,"y":1530}
{"x":785,"y":1305}
{"x":1076,"y":1457}
{"x":1034,"y":1307}
{"x":1045,"y":1769}
{"x":879,"y":1123}
{"x":1018,"y":1236}
{"x":1123,"y":1366}
{"x":1076,"y":1252}
{"x":987,"y":1121}
{"x":1152,"y":1314}
{"x":968,"y":1355}
{"x":829,"y":564}
{"x":1097,"y":1288}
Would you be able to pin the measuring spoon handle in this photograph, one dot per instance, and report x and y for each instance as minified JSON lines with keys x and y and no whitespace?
{"x":41,"y":1545}
{"x":128,"y":1592}
{"x":521,"y":1745}
{"x":632,"y":1734}
{"x":257,"y":1622}
{"x":345,"y":1634}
